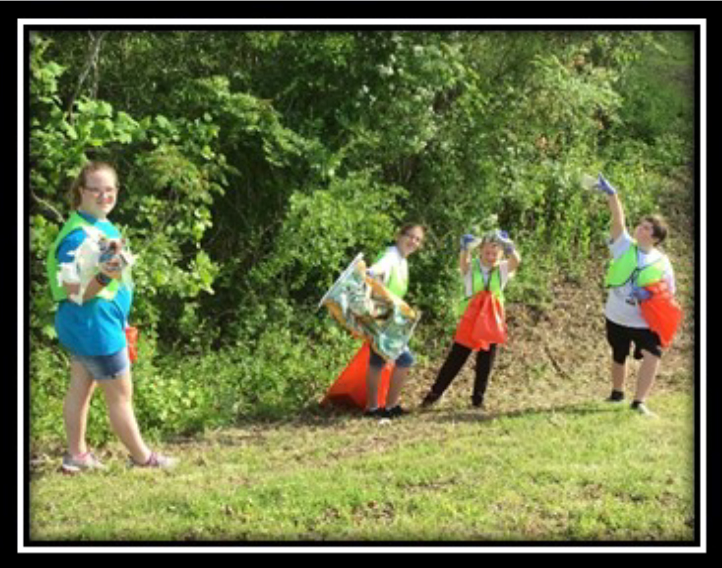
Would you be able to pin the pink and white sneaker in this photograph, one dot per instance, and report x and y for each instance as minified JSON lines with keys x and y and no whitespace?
{"x":82,"y":462}
{"x":156,"y":461}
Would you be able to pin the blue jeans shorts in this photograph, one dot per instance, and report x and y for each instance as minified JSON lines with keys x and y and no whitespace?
{"x":105,"y":367}
{"x":403,"y":361}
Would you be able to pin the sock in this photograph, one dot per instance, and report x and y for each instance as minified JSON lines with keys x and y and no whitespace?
{"x":636,"y":403}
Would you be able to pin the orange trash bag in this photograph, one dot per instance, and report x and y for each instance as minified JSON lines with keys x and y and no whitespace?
{"x":482,"y":323}
{"x":349,"y":390}
{"x":131,"y":336}
{"x":662,"y":312}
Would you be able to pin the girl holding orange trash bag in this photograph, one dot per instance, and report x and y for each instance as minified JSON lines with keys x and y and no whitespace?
{"x":640,"y":306}
{"x":482,"y":326}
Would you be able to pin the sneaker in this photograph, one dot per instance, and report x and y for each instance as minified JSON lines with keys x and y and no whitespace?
{"x":430,"y":399}
{"x":76,"y":464}
{"x":156,"y":461}
{"x":641,"y":408}
{"x":375,"y":413}
{"x":396,"y":412}
{"x":616,"y":396}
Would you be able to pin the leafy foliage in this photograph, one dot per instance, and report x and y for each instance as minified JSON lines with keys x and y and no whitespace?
{"x":255,"y":165}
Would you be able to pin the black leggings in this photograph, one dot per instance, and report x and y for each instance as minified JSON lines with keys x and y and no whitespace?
{"x":455,"y":360}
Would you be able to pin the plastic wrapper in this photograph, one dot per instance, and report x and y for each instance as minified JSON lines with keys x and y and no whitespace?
{"x":368,"y":310}
{"x":87,"y":258}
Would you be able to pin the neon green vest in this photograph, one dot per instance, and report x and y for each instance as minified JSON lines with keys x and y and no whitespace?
{"x":625,"y":268}
{"x":477,"y":285}
{"x":53,"y":266}
{"x":398,"y":283}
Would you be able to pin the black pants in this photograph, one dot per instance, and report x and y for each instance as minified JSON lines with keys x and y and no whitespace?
{"x":455,"y":360}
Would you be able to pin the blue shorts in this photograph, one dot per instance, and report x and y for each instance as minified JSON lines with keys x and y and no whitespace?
{"x":105,"y":367}
{"x":403,"y":361}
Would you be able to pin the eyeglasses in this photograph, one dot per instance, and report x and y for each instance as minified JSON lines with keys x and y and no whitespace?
{"x":96,"y":191}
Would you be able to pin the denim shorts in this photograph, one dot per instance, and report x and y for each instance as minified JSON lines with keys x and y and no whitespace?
{"x":403,"y":361}
{"x":105,"y":367}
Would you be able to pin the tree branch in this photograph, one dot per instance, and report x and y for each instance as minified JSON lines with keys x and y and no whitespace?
{"x":91,"y":63}
{"x":48,"y":208}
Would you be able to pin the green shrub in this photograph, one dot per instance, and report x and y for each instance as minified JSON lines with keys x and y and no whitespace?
{"x":255,"y":166}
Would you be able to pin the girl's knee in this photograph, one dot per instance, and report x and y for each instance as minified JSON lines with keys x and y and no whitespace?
{"x":119,"y":389}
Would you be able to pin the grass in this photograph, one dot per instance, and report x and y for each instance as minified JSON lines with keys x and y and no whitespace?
{"x":584,"y":472}
{"x":546,"y":463}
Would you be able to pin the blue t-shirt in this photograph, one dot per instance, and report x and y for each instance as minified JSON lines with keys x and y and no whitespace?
{"x":97,"y":327}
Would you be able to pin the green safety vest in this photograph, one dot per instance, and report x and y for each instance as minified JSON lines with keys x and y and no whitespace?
{"x":477,"y":285}
{"x":398,"y":283}
{"x":52,"y":265}
{"x":625,"y":269}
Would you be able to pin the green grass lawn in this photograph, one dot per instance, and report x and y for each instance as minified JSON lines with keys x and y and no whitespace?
{"x":586,"y":472}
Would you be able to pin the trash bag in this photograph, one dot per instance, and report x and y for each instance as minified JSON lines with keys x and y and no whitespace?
{"x":482,"y":323}
{"x":349,"y":390}
{"x":662,"y":312}
{"x":368,"y":310}
{"x":131,"y":336}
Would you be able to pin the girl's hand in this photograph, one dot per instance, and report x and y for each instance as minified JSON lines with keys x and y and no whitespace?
{"x":603,"y":185}
{"x":506,"y":243}
{"x":641,"y":294}
{"x":113,"y":268}
{"x":469,"y":242}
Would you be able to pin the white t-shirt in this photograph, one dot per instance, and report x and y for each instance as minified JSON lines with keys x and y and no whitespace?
{"x":621,"y":307}
{"x":391,"y":258}
{"x":486,"y":274}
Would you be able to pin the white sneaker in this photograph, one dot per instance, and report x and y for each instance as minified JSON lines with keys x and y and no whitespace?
{"x":641,"y":408}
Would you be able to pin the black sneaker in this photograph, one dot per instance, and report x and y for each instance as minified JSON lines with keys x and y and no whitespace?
{"x":616,"y":396}
{"x":396,"y":412}
{"x":430,"y":399}
{"x":375,"y":413}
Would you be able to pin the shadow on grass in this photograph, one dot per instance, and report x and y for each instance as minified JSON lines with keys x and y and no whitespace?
{"x":334,"y":416}
{"x":576,"y":409}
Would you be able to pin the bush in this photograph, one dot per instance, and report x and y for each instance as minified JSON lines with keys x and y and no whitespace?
{"x":255,"y":170}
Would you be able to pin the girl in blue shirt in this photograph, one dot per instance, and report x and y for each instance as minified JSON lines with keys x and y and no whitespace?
{"x":94,"y":331}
